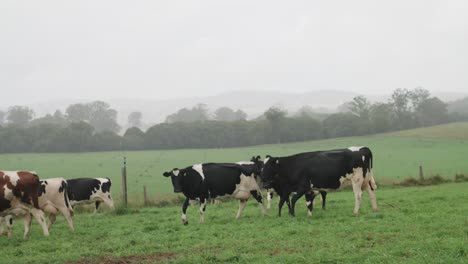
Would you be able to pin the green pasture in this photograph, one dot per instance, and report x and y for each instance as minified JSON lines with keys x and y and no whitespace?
{"x":414,"y":225}
{"x":396,"y":156}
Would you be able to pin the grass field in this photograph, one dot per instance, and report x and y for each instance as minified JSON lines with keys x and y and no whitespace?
{"x":414,"y":224}
{"x":396,"y":156}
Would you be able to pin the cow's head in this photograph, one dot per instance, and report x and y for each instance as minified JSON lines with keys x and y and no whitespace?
{"x":258,"y":165}
{"x":269,"y":171}
{"x":177,"y":178}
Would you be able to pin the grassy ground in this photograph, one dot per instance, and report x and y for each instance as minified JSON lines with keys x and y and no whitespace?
{"x":414,"y":224}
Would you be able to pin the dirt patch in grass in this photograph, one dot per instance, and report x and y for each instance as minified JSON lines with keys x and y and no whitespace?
{"x":128,"y":259}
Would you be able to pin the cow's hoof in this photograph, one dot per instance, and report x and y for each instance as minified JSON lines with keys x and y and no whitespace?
{"x":356,"y":214}
{"x":376,"y":209}
{"x":185,"y":222}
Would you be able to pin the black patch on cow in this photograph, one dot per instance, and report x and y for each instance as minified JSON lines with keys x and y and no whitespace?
{"x":4,"y":204}
{"x":81,"y":189}
{"x":63,"y":186}
{"x":42,"y":188}
{"x":11,"y":221}
{"x":105,"y":186}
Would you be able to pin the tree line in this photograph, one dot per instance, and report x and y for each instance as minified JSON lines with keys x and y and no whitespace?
{"x":93,"y":126}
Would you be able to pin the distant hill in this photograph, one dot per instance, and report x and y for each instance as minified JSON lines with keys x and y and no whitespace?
{"x":446,"y":131}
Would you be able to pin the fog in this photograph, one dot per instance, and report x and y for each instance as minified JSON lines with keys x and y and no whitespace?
{"x":88,"y":50}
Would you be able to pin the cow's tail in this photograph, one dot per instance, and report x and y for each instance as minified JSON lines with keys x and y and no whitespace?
{"x":66,"y":198}
{"x":372,"y":183}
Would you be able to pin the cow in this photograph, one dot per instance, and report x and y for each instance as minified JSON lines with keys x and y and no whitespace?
{"x":304,"y":173}
{"x":19,"y":196}
{"x":53,"y":198}
{"x":90,"y":190}
{"x":257,"y":160}
{"x":210,"y":180}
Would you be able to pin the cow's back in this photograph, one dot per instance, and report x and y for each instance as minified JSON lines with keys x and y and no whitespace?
{"x":81,"y":189}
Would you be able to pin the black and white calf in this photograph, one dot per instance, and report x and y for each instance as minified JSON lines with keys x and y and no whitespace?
{"x":53,"y":198}
{"x":210,"y":180}
{"x":90,"y":190}
{"x":320,"y":170}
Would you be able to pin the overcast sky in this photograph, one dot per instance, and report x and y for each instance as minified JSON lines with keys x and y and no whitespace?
{"x":166,"y":49}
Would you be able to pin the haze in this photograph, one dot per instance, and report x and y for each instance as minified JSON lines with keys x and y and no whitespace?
{"x":51,"y":50}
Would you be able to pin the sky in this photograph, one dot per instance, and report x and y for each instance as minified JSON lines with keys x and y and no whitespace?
{"x":51,"y":50}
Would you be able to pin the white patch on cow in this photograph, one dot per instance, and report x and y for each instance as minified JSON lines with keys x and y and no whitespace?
{"x":266,"y":160}
{"x":13,"y":175}
{"x":176,"y":172}
{"x":245,"y":163}
{"x":363,"y":158}
{"x":199,"y":168}
{"x":355,"y":148}
{"x":184,"y":218}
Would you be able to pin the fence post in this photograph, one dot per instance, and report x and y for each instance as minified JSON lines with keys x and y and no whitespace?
{"x":145,"y":196}
{"x":124,"y":181}
{"x":421,"y":174}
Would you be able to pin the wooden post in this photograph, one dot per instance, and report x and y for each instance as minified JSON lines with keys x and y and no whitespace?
{"x":421,"y":174}
{"x":124,"y":181}
{"x":145,"y":196}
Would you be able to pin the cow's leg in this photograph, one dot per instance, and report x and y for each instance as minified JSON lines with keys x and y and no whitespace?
{"x":283,"y":198}
{"x":357,"y":185}
{"x":269,"y":198}
{"x":242,"y":204}
{"x":323,"y":194}
{"x":67,"y":213}
{"x":109,"y":202}
{"x":9,"y":223}
{"x":294,"y":199}
{"x":52,"y":218}
{"x":372,"y":198}
{"x":202,"y":210}
{"x":258,"y":196}
{"x":27,"y":225}
{"x":310,"y":196}
{"x":2,"y":231}
{"x":39,"y":215}
{"x":96,"y":206}
{"x":184,"y":211}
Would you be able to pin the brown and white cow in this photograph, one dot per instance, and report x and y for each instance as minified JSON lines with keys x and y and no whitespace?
{"x":19,"y":196}
{"x":53,"y":198}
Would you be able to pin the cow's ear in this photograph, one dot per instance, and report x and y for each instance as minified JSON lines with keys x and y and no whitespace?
{"x":166,"y":174}
{"x":259,"y":157}
{"x":267,"y":156}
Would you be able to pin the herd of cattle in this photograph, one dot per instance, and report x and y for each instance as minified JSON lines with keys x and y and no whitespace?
{"x":22,"y":193}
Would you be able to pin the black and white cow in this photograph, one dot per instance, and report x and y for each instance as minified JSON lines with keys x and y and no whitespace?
{"x":270,"y":192}
{"x":53,"y":198}
{"x":210,"y":180}
{"x":90,"y":190}
{"x":320,"y":170}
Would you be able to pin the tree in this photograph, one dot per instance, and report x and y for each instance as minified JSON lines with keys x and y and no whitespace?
{"x":78,"y":112}
{"x":417,"y":96}
{"x":198,"y":113}
{"x":102,"y":117}
{"x":275,"y":117}
{"x":19,"y":115}
{"x":2,"y":117}
{"x":360,"y":106}
{"x":228,"y":115}
{"x":57,"y":118}
{"x":381,"y":116}
{"x":400,"y":101}
{"x":134,"y":119}
{"x":432,"y":111}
